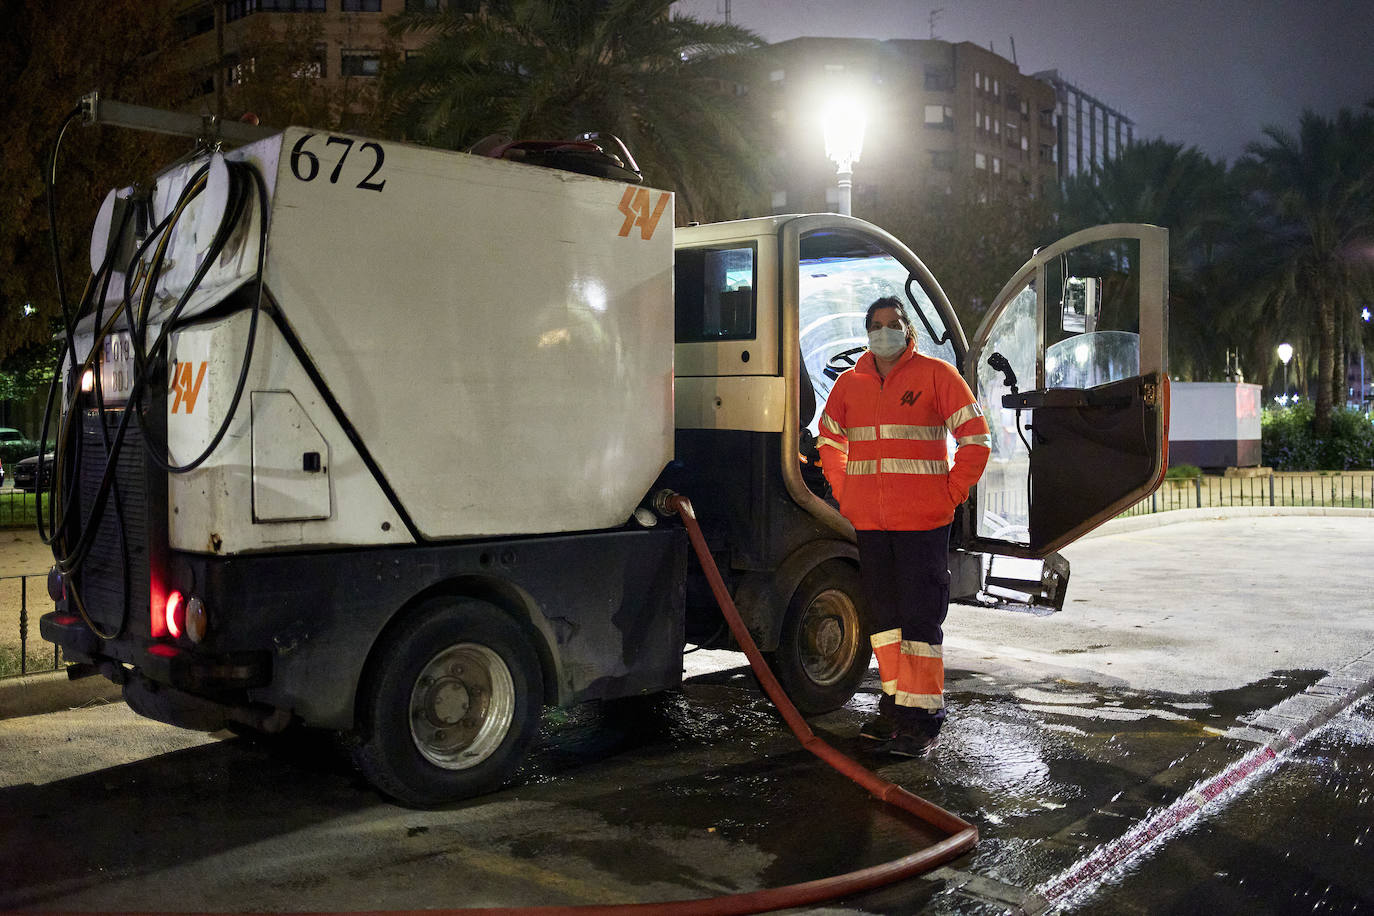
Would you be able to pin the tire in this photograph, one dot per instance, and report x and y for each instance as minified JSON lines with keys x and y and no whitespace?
{"x":823,"y":651}
{"x":450,"y":703}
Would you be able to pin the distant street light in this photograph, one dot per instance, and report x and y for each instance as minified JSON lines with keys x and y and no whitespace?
{"x":844,"y":120}
{"x":1364,"y":313}
{"x":1285,"y":354}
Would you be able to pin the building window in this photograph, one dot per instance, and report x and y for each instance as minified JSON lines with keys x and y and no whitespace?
{"x":941,"y":116}
{"x":237,"y":9}
{"x":997,"y":88}
{"x":834,"y":68}
{"x":978,"y":79}
{"x":422,"y":6}
{"x":779,"y":200}
{"x":942,"y":159}
{"x":939,"y":80}
{"x":980,"y":161}
{"x":236,"y":71}
{"x":360,"y":63}
{"x":196,"y":22}
{"x":362,"y":6}
{"x":996,"y":165}
{"x":314,"y":68}
{"x":777,"y":76}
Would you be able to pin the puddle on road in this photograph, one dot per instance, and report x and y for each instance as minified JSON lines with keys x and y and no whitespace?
{"x":1048,"y":771}
{"x":1298,"y":841}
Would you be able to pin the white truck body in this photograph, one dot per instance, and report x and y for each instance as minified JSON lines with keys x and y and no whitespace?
{"x":472,"y":366}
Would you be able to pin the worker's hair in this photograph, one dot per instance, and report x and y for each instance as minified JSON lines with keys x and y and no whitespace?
{"x":891,"y":302}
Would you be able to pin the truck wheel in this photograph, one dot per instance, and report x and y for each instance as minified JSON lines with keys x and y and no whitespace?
{"x":823,"y":651}
{"x":450,"y":703}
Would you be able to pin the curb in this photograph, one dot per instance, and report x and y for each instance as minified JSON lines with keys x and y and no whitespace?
{"x":1216,"y":513}
{"x":53,"y":691}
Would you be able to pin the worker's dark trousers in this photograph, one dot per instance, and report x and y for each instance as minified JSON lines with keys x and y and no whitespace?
{"x":905,"y":576}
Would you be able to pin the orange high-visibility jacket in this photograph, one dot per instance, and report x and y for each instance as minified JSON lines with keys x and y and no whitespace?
{"x":883,"y":443}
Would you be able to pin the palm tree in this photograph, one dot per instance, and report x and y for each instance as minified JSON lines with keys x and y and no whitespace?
{"x":550,"y":69}
{"x":1193,"y":197}
{"x":1314,"y":197}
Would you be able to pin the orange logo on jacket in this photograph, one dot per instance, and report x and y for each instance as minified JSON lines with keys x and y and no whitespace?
{"x":639,"y":211}
{"x":186,"y":383}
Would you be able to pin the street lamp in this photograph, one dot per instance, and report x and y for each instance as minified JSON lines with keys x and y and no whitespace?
{"x":843,"y":121}
{"x":1364,"y":313}
{"x":1285,"y":354}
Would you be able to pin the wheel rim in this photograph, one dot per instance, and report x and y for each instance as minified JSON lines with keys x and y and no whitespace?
{"x":829,"y":636}
{"x":462,"y":706}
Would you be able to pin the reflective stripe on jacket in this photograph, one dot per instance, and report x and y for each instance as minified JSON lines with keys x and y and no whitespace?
{"x":883,"y":443}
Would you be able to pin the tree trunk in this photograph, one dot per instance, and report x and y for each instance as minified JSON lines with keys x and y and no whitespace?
{"x":1338,"y":372}
{"x":1326,"y":359}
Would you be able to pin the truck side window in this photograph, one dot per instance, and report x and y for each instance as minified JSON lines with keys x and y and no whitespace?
{"x":714,"y":293}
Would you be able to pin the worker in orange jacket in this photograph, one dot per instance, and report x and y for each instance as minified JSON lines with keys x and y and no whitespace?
{"x":883,"y":449}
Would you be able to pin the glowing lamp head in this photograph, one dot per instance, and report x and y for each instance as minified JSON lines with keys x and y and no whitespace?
{"x":844,"y":120}
{"x":88,"y":381}
{"x":1285,"y":353}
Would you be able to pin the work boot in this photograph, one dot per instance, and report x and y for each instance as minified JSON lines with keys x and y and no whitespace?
{"x":911,"y":744}
{"x":880,"y":728}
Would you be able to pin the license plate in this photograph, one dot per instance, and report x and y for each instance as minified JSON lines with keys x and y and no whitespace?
{"x":116,"y":367}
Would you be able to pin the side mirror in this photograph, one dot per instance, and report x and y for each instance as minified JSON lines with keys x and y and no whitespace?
{"x":1079,"y":305}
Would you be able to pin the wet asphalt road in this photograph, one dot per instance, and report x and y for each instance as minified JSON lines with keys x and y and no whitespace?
{"x":1065,"y":732}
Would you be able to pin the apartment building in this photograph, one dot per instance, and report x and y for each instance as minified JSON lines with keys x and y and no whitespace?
{"x":1090,"y":131}
{"x":338,"y":46}
{"x":938,"y":114}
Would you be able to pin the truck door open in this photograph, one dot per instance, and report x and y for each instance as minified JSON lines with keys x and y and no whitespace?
{"x":1070,"y":368}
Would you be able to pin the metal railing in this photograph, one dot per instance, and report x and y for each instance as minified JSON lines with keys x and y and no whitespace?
{"x":17,"y":508}
{"x":1346,"y":490}
{"x":21,"y":658}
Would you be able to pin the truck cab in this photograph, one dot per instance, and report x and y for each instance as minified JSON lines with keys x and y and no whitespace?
{"x":770,"y":311}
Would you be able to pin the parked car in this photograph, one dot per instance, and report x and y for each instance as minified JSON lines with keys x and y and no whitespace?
{"x":26,"y":472}
{"x":14,"y":445}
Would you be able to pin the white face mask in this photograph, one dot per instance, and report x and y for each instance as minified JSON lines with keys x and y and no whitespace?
{"x":886,"y":342}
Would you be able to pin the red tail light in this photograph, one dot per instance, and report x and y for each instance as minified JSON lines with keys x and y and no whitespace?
{"x":175,"y":615}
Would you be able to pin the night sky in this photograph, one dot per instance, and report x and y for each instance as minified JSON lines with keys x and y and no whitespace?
{"x":1205,"y":74}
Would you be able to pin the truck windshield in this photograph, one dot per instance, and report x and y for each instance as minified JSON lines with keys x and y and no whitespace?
{"x":841,"y":273}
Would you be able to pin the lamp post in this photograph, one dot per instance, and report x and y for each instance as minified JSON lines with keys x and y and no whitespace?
{"x":844,"y":121}
{"x":1285,"y":354}
{"x":1364,"y":313}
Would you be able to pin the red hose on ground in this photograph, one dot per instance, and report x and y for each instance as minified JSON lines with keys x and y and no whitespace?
{"x":962,"y":834}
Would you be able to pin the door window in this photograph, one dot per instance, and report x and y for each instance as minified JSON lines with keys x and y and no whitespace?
{"x":1081,"y":307}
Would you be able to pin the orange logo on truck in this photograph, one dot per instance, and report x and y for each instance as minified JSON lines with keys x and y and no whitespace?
{"x":186,"y":382}
{"x":639,"y":211}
